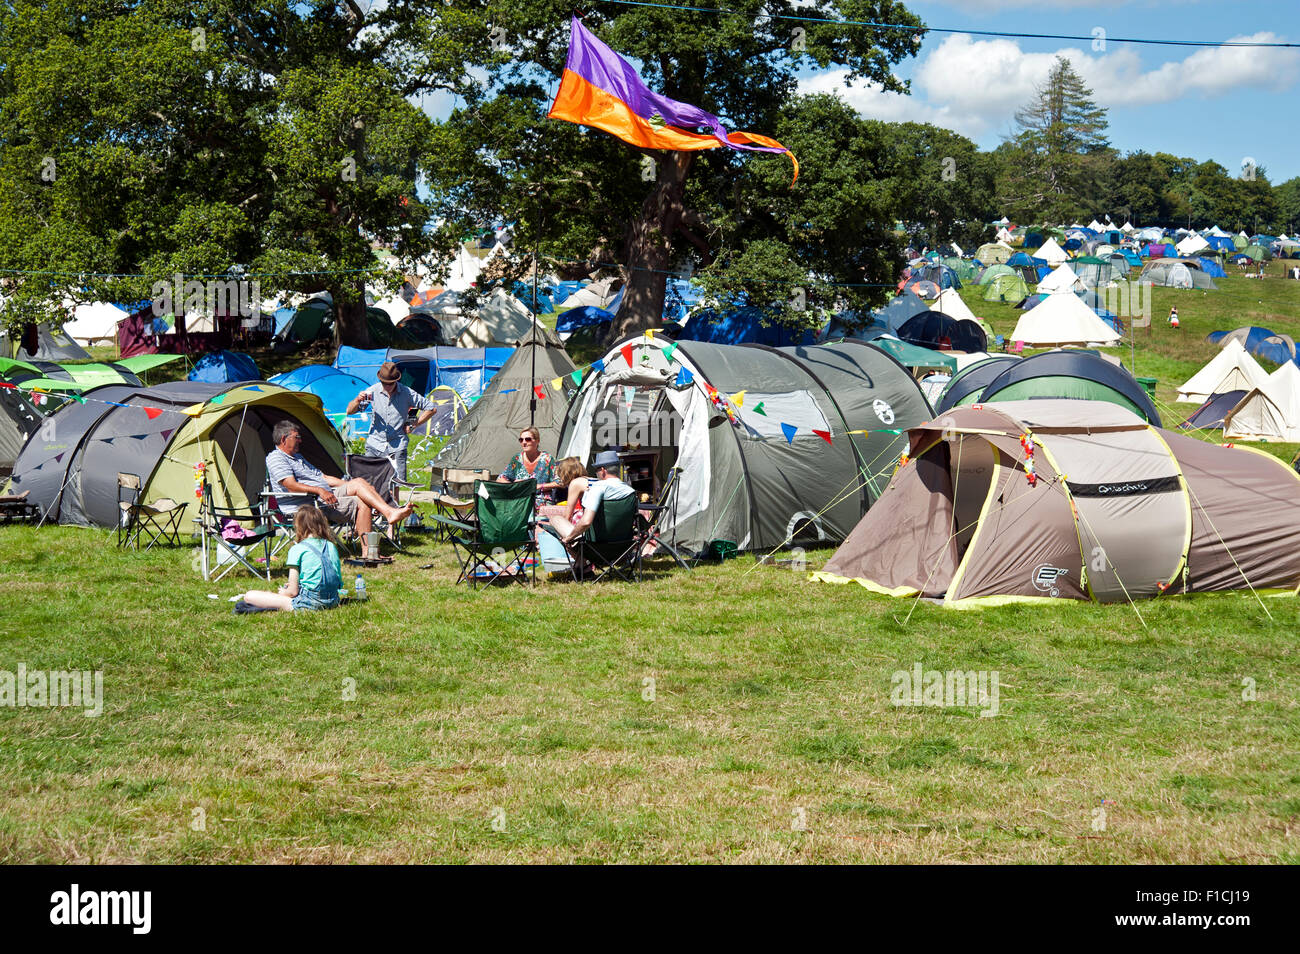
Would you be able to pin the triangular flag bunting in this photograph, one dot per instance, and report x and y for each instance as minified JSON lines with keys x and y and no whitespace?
{"x":628,"y":394}
{"x":789,"y":431}
{"x":194,"y":410}
{"x":738,"y":399}
{"x":152,"y":412}
{"x":598,"y":365}
{"x":217,"y":399}
{"x":668,"y":351}
{"x":577,"y":377}
{"x":168,"y":433}
{"x":252,"y":387}
{"x":824,"y":435}
{"x":758,"y":408}
{"x":626,"y":352}
{"x":684,"y":377}
{"x":650,"y":334}
{"x":557,"y":383}
{"x":506,"y":391}
{"x":537,"y":389}
{"x":79,"y":399}
{"x":58,"y":458}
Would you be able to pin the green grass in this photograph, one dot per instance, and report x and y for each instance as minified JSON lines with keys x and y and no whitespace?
{"x":519,"y":725}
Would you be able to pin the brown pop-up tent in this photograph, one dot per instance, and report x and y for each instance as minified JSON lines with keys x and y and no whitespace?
{"x":1106,"y":507}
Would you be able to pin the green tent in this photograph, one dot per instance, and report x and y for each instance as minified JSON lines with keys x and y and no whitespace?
{"x":1258,"y":252}
{"x":914,"y":356}
{"x":1007,"y":288}
{"x":993,"y":271}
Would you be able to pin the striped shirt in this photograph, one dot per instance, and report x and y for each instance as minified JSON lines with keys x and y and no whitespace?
{"x":281,"y":466}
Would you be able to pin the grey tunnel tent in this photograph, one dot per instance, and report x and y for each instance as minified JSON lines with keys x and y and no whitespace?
{"x":743,"y":481}
{"x":18,"y":419}
{"x":70,"y":468}
{"x":486,"y":438}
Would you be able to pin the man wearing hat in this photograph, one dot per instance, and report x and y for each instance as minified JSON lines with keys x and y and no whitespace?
{"x":607,"y":486}
{"x":390,"y":404}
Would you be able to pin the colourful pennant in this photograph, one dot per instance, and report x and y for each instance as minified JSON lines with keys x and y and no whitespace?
{"x":758,"y":408}
{"x":505,"y":391}
{"x":738,"y":399}
{"x":684,"y":377}
{"x":252,"y":387}
{"x":537,"y":389}
{"x":217,"y":399}
{"x":577,"y":377}
{"x":626,"y":352}
{"x":668,"y":351}
{"x":598,"y":365}
{"x":789,"y":430}
{"x":824,"y":435}
{"x":557,"y":383}
{"x":152,"y":412}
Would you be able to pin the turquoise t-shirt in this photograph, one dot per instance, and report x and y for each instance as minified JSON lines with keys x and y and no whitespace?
{"x":313,"y":575}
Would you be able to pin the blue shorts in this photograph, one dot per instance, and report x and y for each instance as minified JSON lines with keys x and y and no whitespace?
{"x":311,"y":600}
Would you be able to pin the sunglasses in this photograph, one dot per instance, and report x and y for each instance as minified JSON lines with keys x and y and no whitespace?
{"x":527,"y":440}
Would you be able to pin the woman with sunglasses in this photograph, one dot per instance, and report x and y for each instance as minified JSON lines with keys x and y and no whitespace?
{"x":533,"y":462}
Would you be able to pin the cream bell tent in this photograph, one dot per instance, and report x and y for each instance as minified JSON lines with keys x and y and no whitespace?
{"x":1061,"y":279}
{"x":1044,"y":500}
{"x":1052,"y":253}
{"x":1232,"y":369}
{"x":1270,"y":413}
{"x":1062,"y":319}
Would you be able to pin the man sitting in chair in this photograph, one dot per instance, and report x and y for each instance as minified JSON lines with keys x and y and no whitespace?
{"x":607,"y":486}
{"x":355,"y":499}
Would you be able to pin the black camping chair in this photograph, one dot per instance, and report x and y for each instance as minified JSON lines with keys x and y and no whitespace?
{"x":214,"y":521}
{"x":498,"y":543}
{"x":382,"y":475}
{"x":611,"y":546}
{"x":160,"y":521}
{"x":654,"y":543}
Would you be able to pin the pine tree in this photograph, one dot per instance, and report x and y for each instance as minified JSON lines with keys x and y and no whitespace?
{"x":1059,"y":151}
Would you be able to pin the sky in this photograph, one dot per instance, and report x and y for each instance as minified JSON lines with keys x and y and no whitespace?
{"x":1226,"y":104}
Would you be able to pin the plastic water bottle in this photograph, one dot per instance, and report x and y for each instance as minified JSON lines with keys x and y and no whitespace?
{"x":360,"y":590}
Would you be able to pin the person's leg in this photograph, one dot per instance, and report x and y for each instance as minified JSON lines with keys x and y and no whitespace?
{"x":270,"y":600}
{"x":368,"y":496}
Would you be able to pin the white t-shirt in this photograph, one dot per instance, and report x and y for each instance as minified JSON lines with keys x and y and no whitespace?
{"x":598,"y":490}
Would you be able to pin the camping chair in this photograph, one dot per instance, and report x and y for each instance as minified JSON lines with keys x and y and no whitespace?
{"x":1017,"y":347}
{"x":451,"y":491}
{"x":653,"y":543}
{"x":498,"y":542}
{"x":613,"y":543}
{"x":161,"y":520}
{"x":273,"y":504}
{"x":15,"y":508}
{"x":218,"y":527}
{"x":382,"y":475}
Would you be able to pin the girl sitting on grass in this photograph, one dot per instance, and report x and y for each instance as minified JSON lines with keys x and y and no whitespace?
{"x":315,"y":573}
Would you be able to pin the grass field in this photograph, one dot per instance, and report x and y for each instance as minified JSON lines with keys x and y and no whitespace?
{"x":735,"y":713}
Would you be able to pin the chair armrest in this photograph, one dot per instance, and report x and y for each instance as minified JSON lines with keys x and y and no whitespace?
{"x":456,"y":524}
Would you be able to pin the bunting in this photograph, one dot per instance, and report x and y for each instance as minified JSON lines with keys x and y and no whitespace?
{"x":626,"y":352}
{"x":789,"y":430}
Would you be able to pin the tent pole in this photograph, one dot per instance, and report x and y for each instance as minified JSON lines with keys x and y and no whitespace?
{"x":532,"y":398}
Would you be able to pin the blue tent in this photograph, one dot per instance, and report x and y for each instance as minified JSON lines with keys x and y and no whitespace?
{"x":1211,"y":267}
{"x":581,"y":317}
{"x":1261,"y":342}
{"x":562,"y":290}
{"x":1220,"y":242}
{"x":900,"y":309}
{"x":222,"y":366}
{"x":335,"y":388}
{"x":467,"y":370}
{"x":936,"y":330}
{"x":680,"y":296}
{"x":1023,"y":259}
{"x":1132,"y":257}
{"x":743,"y":325}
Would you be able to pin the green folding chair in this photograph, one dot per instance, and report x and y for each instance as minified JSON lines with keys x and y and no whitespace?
{"x":612,"y":545}
{"x":498,"y":543}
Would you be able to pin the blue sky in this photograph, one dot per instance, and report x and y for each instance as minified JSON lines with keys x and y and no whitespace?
{"x":1223,"y":104}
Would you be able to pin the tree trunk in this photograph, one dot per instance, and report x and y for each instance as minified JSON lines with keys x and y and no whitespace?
{"x":350,"y":315}
{"x":649,"y":247}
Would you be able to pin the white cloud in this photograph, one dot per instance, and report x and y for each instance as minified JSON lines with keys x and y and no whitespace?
{"x":975,"y":86}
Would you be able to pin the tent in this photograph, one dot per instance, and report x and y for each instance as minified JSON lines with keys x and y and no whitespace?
{"x":449,"y":410}
{"x":1210,"y":415}
{"x":1192,"y":245}
{"x":421,"y":329}
{"x":82,"y":375}
{"x":521,"y":393}
{"x":1232,"y":369}
{"x":335,"y":388}
{"x":941,"y":275}
{"x":1257,"y":253}
{"x":225,"y":366}
{"x":1062,"y":278}
{"x":951,"y":303}
{"x":1006,"y":288}
{"x":583,"y":316}
{"x":742,"y":325}
{"x":94,"y":322}
{"x":19,"y":418}
{"x":161,"y":434}
{"x":762,"y":434}
{"x":1052,"y":253}
{"x":995,"y":271}
{"x":1270,"y":413}
{"x":1175,"y":274}
{"x":468,"y":370}
{"x":922,"y":288}
{"x":1062,"y":320}
{"x":888,"y":319}
{"x":936,"y":330}
{"x":1072,"y":374}
{"x":43,"y":343}
{"x":312,"y":319}
{"x":1261,"y":342}
{"x":968,"y":383}
{"x":913,"y":357}
{"x":1114,"y":509}
{"x":500,"y":319}
{"x":993,"y":253}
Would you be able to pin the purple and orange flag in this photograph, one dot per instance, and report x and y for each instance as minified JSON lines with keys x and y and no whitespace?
{"x":599,"y":88}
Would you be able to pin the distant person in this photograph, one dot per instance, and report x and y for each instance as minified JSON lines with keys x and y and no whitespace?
{"x":391,"y":404}
{"x":315,"y":573}
{"x":1173,"y":317}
